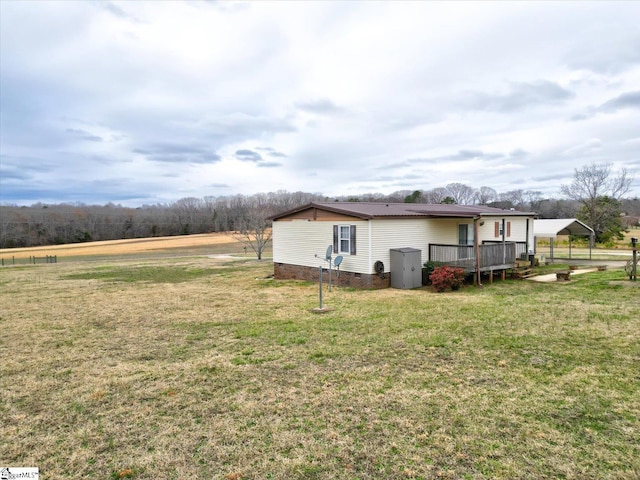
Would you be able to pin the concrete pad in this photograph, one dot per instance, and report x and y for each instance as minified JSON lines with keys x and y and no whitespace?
{"x":551,"y":277}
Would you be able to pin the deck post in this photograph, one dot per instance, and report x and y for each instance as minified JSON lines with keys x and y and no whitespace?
{"x":476,"y":244}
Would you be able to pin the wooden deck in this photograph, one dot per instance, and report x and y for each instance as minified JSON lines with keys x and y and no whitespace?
{"x":494,"y":256}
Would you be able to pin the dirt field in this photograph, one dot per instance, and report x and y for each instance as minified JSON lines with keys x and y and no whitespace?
{"x":121,"y":247}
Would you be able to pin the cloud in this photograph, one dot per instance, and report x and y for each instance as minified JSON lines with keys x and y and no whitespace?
{"x":268,"y":164}
{"x":413,"y":92}
{"x":518,"y":153}
{"x":271,"y":152}
{"x":322,"y":106}
{"x":115,"y":10}
{"x":10,"y":174}
{"x":83,"y":135}
{"x":248,"y":155}
{"x":590,"y":146}
{"x":620,"y":51}
{"x":626,"y":100}
{"x":460,"y":156}
{"x":178,"y":153}
{"x":519,"y":96}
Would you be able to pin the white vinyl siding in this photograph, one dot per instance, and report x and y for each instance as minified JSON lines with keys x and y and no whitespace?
{"x":298,"y":242}
{"x":517,"y":229}
{"x":397,"y":233}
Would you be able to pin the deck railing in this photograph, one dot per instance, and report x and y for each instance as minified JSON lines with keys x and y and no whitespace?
{"x":492,"y":255}
{"x":521,"y":247}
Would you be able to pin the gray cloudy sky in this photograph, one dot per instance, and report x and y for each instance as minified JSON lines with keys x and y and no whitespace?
{"x":145,"y":102}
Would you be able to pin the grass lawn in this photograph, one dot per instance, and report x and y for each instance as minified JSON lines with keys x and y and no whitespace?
{"x":181,"y":368}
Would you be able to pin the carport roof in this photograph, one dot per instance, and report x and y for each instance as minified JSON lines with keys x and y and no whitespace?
{"x":550,"y":228}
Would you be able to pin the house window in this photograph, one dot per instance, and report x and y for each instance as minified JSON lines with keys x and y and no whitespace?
{"x":465,"y":234}
{"x":465,"y":240}
{"x":344,"y":239}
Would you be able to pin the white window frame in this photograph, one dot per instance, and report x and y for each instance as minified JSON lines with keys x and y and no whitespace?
{"x":342,"y":251}
{"x":470,"y":234}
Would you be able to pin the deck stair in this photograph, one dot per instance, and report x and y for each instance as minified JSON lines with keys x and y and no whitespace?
{"x":522,"y":269}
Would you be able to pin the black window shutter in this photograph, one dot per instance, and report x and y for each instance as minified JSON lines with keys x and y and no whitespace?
{"x":336,"y":248}
{"x":353,"y":240}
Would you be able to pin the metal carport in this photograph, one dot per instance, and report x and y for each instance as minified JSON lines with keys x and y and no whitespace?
{"x":551,"y":228}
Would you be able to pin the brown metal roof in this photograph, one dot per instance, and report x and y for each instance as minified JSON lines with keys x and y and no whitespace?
{"x":369,"y":210}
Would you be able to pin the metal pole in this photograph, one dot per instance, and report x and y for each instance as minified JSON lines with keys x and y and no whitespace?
{"x":476,"y":246}
{"x":504,"y":240}
{"x":329,"y":273}
{"x":634,"y":265}
{"x":320,"y":288}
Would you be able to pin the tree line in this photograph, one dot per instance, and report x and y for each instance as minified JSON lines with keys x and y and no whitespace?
{"x":594,"y":197}
{"x":52,"y":224}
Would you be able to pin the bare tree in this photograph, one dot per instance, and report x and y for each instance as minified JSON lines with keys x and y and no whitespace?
{"x":435,"y":196}
{"x":533,"y":199}
{"x":462,"y":194}
{"x":596,"y":180}
{"x":513,"y":198}
{"x":485,"y":195}
{"x":254,"y":231}
{"x":599,"y":191}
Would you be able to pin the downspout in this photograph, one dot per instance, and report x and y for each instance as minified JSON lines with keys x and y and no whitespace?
{"x":369,"y":246}
{"x":476,"y":245}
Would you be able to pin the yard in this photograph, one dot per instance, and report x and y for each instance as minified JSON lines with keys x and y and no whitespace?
{"x":198,"y":367}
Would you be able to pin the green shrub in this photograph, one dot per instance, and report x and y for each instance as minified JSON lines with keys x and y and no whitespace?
{"x":427,"y":270}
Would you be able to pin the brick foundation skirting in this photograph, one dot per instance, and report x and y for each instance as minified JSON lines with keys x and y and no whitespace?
{"x":286,"y":271}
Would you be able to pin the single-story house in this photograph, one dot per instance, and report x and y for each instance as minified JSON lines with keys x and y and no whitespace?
{"x":476,"y":238}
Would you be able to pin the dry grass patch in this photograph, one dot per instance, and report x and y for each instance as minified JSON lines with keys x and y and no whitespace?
{"x":229,"y":375}
{"x":199,"y":242}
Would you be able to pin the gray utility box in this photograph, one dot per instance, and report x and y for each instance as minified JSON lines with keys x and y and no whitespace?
{"x":406,"y":268}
